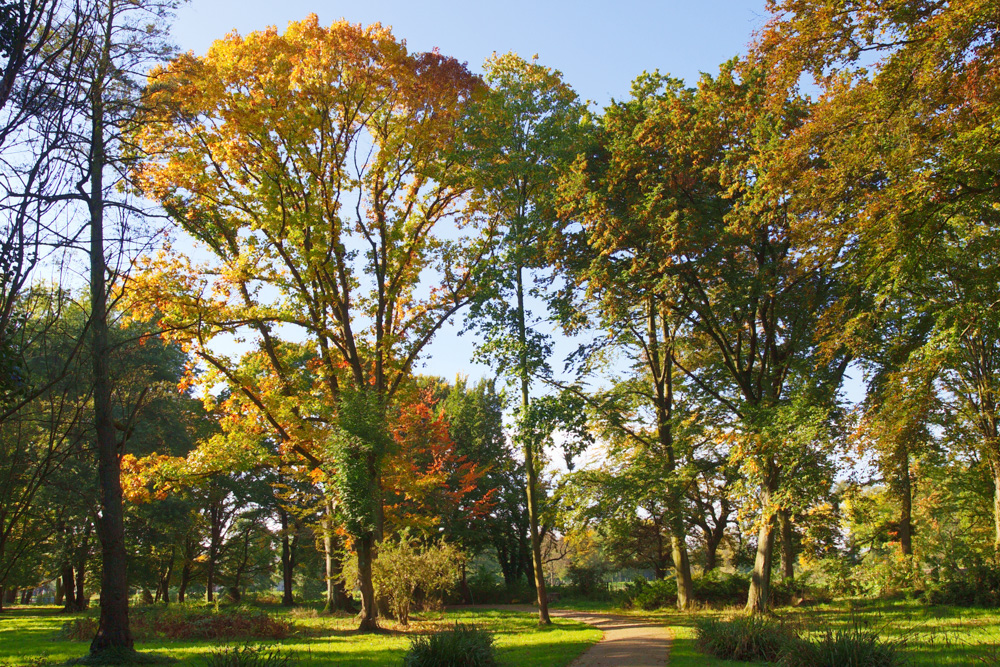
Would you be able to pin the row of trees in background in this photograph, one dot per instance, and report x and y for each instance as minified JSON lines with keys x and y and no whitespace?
{"x":726,"y":253}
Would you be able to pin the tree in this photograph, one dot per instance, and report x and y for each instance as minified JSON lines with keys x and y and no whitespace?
{"x":311,"y":165}
{"x":515,"y":135}
{"x":909,"y":148}
{"x":691,"y":193}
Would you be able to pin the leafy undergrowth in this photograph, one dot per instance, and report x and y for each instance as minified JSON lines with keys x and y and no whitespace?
{"x":190,"y":622}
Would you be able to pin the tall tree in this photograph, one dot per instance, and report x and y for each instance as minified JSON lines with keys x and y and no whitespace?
{"x":686,"y":190}
{"x":906,"y":127}
{"x":311,"y":165}
{"x":515,"y":136}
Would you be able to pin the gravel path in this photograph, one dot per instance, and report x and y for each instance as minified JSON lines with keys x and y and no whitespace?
{"x":627,"y":642}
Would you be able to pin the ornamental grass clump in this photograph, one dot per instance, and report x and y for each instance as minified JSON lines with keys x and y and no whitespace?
{"x":858,"y":645}
{"x":460,"y":646}
{"x":249,"y":656}
{"x":751,"y":638}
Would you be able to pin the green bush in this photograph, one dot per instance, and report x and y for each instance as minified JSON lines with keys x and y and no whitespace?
{"x":749,"y":638}
{"x":975,"y":586}
{"x":587,"y":580}
{"x":249,"y":656}
{"x":715,"y":587}
{"x":461,"y":646}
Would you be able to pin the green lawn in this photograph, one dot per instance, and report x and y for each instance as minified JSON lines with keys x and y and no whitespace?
{"x":933,"y":636}
{"x":30,"y":634}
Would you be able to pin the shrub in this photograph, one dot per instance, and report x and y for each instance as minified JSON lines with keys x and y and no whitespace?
{"x":648,"y":595}
{"x":748,"y":638}
{"x":404,"y":567}
{"x":461,"y":646}
{"x":249,"y":656}
{"x":975,"y":586}
{"x":721,"y":588}
{"x":587,"y":580}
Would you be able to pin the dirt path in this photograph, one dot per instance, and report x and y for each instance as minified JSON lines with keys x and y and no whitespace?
{"x":627,"y":642}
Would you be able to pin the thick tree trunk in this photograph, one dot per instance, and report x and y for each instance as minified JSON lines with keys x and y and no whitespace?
{"x":760,"y":578}
{"x":69,"y":586}
{"x":787,"y":545}
{"x":10,"y":595}
{"x":366,"y":554}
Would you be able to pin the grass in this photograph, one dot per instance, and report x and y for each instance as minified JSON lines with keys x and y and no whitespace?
{"x":29,"y":635}
{"x":935,"y":636}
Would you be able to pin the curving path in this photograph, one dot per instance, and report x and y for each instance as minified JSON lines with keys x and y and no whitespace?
{"x":627,"y":642}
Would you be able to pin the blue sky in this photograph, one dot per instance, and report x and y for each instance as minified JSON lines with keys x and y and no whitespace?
{"x":600,"y":47}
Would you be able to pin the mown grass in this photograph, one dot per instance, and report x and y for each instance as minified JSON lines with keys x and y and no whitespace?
{"x":31,"y":634}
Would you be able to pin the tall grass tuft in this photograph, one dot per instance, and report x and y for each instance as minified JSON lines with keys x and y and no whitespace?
{"x":460,"y":646}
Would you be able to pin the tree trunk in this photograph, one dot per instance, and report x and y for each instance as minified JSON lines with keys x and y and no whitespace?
{"x":82,"y":554}
{"x":26,"y":595}
{"x":60,"y":592}
{"x":905,"y":503}
{"x":661,"y":368}
{"x":113,"y":629}
{"x":760,"y":578}
{"x":287,"y":598}
{"x":185,"y":580}
{"x":10,"y":595}
{"x":711,"y":555}
{"x":69,"y":586}
{"x":529,"y":464}
{"x":996,"y":508}
{"x":165,"y":582}
{"x":787,"y":546}
{"x":366,"y":554}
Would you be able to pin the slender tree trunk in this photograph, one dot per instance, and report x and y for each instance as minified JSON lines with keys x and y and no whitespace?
{"x":905,"y":503}
{"x":113,"y":629}
{"x":287,"y":598}
{"x":82,"y":554}
{"x":661,"y":368}
{"x":787,"y":546}
{"x":60,"y":591}
{"x":185,"y":580}
{"x":336,"y":596}
{"x":760,"y":578}
{"x":3,"y":594}
{"x":529,"y":464}
{"x":996,"y":508}
{"x":26,"y":595}
{"x":165,"y":582}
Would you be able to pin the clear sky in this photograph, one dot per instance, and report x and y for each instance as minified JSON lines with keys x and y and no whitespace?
{"x":598,"y":46}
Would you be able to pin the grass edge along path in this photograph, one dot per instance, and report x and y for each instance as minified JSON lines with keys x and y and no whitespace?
{"x":29,"y":637}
